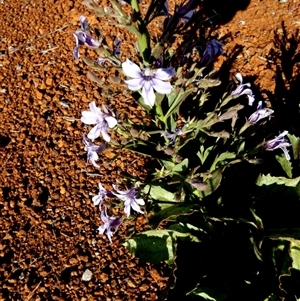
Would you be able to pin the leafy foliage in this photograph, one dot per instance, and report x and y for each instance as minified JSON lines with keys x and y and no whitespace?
{"x":222,"y":202}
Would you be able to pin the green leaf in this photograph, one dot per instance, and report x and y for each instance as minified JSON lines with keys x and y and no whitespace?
{"x":203,"y":153}
{"x":285,"y":164}
{"x":181,"y":96}
{"x":207,"y":293}
{"x":159,"y":193}
{"x":156,"y":245}
{"x":222,"y":134}
{"x":179,"y":168}
{"x":222,"y":158}
{"x":291,"y":235}
{"x":295,"y":254}
{"x":213,"y":183}
{"x":208,"y":83}
{"x":143,"y":43}
{"x":182,"y":166}
{"x":295,"y":141}
{"x":170,"y":214}
{"x":269,"y":180}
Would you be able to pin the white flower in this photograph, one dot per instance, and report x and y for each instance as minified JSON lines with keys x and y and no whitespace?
{"x":279,"y":142}
{"x":102,"y":194}
{"x":148,"y":80}
{"x":260,"y":113}
{"x":130,"y":199}
{"x":109,"y":224}
{"x":92,"y":150}
{"x":243,"y":89}
{"x":102,"y":121}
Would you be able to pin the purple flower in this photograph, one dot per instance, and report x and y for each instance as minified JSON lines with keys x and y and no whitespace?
{"x":212,"y":51}
{"x":82,"y":38}
{"x":171,"y":135}
{"x":187,"y":10}
{"x":103,"y":193}
{"x":102,"y":121}
{"x":260,"y":113}
{"x":92,"y":150}
{"x":110,"y":223}
{"x":243,"y":89}
{"x":148,"y":80}
{"x":130,"y":199}
{"x":279,"y":142}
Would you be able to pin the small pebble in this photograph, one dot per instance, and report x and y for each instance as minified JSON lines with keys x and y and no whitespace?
{"x":87,"y":275}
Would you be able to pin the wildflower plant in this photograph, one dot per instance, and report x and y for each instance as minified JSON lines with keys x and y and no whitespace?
{"x":208,"y":148}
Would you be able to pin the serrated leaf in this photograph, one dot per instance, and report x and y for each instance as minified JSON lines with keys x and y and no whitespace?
{"x":156,"y":245}
{"x":269,"y":180}
{"x":170,"y":214}
{"x":295,"y":141}
{"x":285,"y":164}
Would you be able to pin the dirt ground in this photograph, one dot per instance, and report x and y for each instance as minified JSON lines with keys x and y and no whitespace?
{"x":48,"y":223}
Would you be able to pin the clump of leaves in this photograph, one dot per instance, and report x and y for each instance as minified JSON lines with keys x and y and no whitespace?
{"x":209,"y":178}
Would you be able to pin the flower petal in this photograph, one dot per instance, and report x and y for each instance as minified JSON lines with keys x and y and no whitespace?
{"x":136,"y":207}
{"x":251,"y":99}
{"x":164,"y":73}
{"x":101,"y":229}
{"x":91,"y":42}
{"x":104,"y":133}
{"x":127,"y":209}
{"x":120,"y":191}
{"x":131,"y":69}
{"x":239,"y":77}
{"x":140,"y":201}
{"x":94,"y":132}
{"x":89,"y":117}
{"x":135,"y":84}
{"x":83,"y":23}
{"x":148,"y":94}
{"x":111,"y":121}
{"x":161,"y":87}
{"x":97,"y":199}
{"x":286,"y":153}
{"x":76,"y":53}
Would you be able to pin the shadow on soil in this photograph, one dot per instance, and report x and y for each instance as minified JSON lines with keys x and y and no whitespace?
{"x":225,"y":10}
{"x":226,"y":265}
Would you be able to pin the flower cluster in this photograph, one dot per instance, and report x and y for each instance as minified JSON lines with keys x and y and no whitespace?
{"x":129,"y":197}
{"x":82,"y":38}
{"x":106,"y":119}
